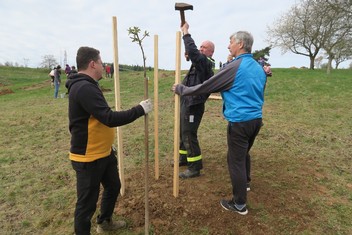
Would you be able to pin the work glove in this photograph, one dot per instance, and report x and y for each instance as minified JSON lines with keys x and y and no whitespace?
{"x":147,"y":106}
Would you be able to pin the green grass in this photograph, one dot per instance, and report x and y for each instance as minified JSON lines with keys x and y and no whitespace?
{"x":303,"y":153}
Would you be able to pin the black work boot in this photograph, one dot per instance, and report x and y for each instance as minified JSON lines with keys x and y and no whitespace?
{"x":107,"y":226}
{"x":189,"y":173}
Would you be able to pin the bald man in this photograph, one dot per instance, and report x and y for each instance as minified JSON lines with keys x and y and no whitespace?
{"x":192,"y":107}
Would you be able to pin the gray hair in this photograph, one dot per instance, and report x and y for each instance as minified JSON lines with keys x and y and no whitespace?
{"x":246,"y":38}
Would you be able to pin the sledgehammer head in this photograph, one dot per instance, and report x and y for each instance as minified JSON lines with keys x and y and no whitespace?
{"x":182,"y":7}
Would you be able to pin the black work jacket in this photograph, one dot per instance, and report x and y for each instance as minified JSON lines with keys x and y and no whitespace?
{"x":200,"y":71}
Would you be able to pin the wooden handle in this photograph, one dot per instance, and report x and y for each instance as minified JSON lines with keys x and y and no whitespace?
{"x":182,"y":14}
{"x":177,"y":116}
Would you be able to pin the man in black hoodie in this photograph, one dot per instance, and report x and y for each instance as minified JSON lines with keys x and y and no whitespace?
{"x":91,"y":123}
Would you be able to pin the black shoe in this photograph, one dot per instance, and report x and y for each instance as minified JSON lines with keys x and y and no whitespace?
{"x":189,"y":174}
{"x":110,"y":226}
{"x":231,"y":206}
{"x":179,"y":163}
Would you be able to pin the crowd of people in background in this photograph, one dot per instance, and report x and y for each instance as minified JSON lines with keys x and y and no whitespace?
{"x":55,"y":75}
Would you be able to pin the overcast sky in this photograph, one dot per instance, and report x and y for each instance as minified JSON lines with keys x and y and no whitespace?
{"x":31,"y":29}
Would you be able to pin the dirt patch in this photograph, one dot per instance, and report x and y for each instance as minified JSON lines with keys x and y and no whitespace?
{"x":164,"y":75}
{"x":5,"y":91}
{"x":39,"y":85}
{"x":197,"y":210}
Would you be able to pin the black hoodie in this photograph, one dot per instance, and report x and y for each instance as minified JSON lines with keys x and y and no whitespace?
{"x":91,"y":119}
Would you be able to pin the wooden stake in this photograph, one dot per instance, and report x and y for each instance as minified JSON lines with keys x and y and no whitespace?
{"x":146,"y":161}
{"x":118,"y":106}
{"x":177,"y":116}
{"x":156,"y":109}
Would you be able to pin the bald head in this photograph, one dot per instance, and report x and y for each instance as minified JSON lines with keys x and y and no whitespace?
{"x":207,"y":48}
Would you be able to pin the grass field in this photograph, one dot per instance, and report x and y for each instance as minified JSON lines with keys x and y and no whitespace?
{"x":301,"y":159}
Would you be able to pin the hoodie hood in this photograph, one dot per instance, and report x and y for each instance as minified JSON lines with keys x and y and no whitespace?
{"x":78,"y":77}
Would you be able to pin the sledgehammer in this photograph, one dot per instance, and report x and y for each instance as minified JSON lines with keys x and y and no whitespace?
{"x":182,"y":7}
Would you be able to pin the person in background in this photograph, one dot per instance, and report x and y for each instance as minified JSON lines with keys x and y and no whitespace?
{"x":72,"y":71}
{"x":267,"y":69}
{"x":228,"y":60}
{"x":67,"y":69}
{"x":91,"y":123}
{"x":57,"y":80}
{"x":52,"y":76}
{"x":241,"y":83}
{"x":192,"y":107}
{"x":107,"y":70}
{"x":112,"y":70}
{"x":261,"y":61}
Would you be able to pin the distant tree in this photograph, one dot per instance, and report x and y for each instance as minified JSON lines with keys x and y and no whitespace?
{"x":337,"y":29}
{"x":313,"y":25}
{"x":324,"y":66}
{"x":264,"y":53}
{"x":9,"y":64}
{"x":298,"y":31}
{"x":342,"y":52}
{"x":48,"y":61}
{"x":318,"y":61}
{"x":25,"y":62}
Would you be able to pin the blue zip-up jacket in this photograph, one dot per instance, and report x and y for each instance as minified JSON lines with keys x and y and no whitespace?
{"x":241,"y":83}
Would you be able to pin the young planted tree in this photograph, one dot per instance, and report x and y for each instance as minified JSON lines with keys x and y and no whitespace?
{"x":134,"y":33}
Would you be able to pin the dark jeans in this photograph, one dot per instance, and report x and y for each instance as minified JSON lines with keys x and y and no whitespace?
{"x":89,"y":176}
{"x":191,"y":118}
{"x":240,"y":139}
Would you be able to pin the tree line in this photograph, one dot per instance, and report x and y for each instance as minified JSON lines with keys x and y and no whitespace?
{"x":311,"y":27}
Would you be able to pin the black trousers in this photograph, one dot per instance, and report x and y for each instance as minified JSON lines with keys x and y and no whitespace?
{"x":240,"y":139}
{"x":89,"y":177}
{"x":191,"y":117}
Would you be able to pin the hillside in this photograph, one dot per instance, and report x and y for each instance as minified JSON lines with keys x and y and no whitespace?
{"x":301,"y":160}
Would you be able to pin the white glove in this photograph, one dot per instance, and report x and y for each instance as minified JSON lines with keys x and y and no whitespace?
{"x":147,"y":106}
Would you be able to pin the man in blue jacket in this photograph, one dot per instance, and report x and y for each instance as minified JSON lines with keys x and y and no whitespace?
{"x":241,"y":84}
